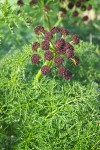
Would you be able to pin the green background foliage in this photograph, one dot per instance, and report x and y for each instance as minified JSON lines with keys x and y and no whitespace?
{"x":52,"y":114}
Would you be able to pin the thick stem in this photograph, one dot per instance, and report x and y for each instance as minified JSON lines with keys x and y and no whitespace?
{"x":38,"y":75}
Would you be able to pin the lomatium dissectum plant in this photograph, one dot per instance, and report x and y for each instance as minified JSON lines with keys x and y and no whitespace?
{"x":57,"y":46}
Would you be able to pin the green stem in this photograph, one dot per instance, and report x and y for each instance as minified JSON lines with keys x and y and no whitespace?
{"x":46,"y":17}
{"x":58,"y":22}
{"x":48,"y":21}
{"x":38,"y":75}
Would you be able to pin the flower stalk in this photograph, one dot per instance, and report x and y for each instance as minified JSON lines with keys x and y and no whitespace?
{"x":55,"y":49}
{"x":39,"y":74}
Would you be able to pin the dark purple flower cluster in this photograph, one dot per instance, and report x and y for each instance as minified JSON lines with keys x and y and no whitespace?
{"x":31,"y":3}
{"x":55,"y":30}
{"x":85,"y":18}
{"x":48,"y":55}
{"x":35,"y":46}
{"x":65,"y":73}
{"x":55,"y":51}
{"x":20,"y":2}
{"x":75,"y":39}
{"x":75,"y":13}
{"x":35,"y":59}
{"x":59,"y":43}
{"x":38,"y":30}
{"x":45,"y":70}
{"x":48,"y":36}
{"x":64,"y":32}
{"x":58,"y":60}
{"x":45,"y":45}
{"x":75,"y":7}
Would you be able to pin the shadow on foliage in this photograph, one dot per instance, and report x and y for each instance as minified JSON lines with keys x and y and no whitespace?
{"x":87,"y":32}
{"x":87,"y":71}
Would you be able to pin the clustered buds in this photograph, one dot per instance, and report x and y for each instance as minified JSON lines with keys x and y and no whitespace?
{"x":48,"y":55}
{"x":45,"y":45}
{"x":48,"y":36}
{"x":55,"y":51}
{"x":31,"y":3}
{"x":85,"y":18}
{"x":58,"y":60}
{"x":75,"y":7}
{"x":35,"y":58}
{"x":59,"y":43}
{"x":75,"y":13}
{"x":35,"y":46}
{"x":75,"y":39}
{"x":45,"y":70}
{"x":20,"y":2}
{"x":78,"y":4}
{"x":55,"y":30}
{"x":38,"y":30}
{"x":70,"y":5}
{"x":89,"y":7}
{"x":65,"y":73}
{"x":64,"y":32}
{"x":69,"y":53}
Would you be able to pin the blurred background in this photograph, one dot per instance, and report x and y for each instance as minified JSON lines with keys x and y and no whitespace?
{"x":19,"y":17}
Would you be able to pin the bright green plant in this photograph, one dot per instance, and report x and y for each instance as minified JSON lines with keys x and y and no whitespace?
{"x":58,"y":47}
{"x":52,"y":114}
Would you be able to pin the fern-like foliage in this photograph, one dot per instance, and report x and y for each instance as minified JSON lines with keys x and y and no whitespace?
{"x":52,"y":114}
